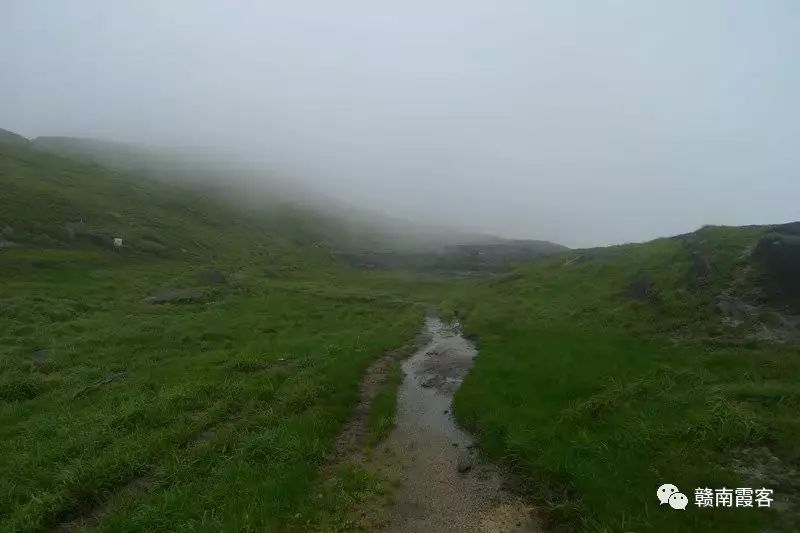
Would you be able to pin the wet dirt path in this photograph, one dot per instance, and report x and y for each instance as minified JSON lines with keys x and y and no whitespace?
{"x":442,"y":484}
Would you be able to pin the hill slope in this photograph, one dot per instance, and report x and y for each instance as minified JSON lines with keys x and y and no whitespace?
{"x":606,"y":373}
{"x":61,"y":202}
{"x":194,"y":380}
{"x":358,"y":236}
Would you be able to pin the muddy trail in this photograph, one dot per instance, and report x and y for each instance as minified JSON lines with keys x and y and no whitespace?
{"x":441,"y":482}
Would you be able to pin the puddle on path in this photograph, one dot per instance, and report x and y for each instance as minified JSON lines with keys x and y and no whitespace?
{"x":442,"y":485}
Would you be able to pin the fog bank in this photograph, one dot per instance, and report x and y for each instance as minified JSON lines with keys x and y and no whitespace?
{"x":584,"y":123}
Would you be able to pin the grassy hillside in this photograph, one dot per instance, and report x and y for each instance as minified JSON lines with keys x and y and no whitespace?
{"x":605,"y":373}
{"x":52,"y":201}
{"x":357,"y":236}
{"x":193,"y":380}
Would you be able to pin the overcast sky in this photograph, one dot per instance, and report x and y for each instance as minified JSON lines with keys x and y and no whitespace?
{"x":582,"y":122}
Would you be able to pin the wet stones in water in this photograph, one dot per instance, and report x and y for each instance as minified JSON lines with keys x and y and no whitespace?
{"x":176,"y":296}
{"x":465,"y":461}
{"x":433,"y":382}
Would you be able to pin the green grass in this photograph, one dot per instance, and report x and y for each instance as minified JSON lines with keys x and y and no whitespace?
{"x":214,"y":414}
{"x":596,"y":398}
{"x":49,"y":201}
{"x":384,"y":407}
{"x":222,"y":409}
{"x":217,"y":414}
{"x":352,"y":498}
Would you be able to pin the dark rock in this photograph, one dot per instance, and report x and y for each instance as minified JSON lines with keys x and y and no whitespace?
{"x":779,"y":256}
{"x":150,"y":246}
{"x":40,"y":355}
{"x":211,"y":276}
{"x":700,"y":271}
{"x":642,"y":288}
{"x":77,"y":231}
{"x":92,"y":237}
{"x":176,"y":296}
{"x":465,"y":462}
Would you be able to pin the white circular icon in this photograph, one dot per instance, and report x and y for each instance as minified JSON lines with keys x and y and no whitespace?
{"x":678,"y":500}
{"x":665,"y":491}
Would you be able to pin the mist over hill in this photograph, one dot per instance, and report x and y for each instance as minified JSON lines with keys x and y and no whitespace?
{"x":399,"y":266}
{"x":289,"y":210}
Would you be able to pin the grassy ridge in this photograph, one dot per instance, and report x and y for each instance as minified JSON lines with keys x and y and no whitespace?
{"x":598,"y":397}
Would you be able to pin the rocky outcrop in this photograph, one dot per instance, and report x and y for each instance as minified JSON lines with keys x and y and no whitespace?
{"x":778,"y":254}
